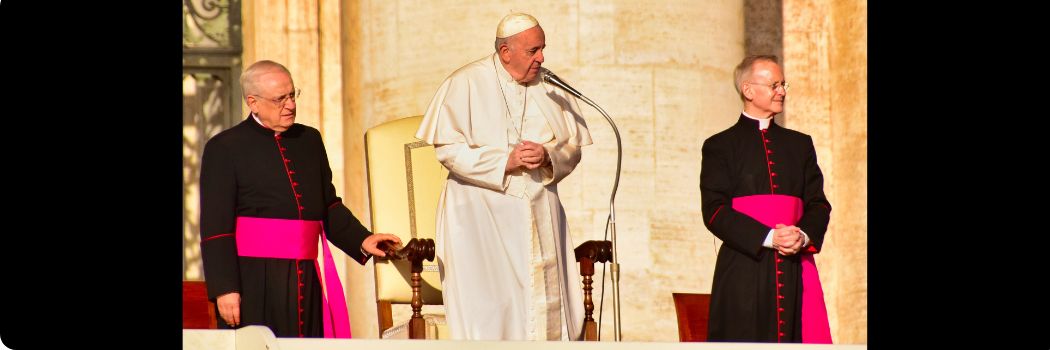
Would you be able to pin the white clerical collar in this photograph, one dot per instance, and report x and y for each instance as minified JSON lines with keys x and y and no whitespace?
{"x":263,"y":125}
{"x":762,"y":123}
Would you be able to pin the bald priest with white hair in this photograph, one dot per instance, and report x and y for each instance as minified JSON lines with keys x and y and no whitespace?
{"x":506,"y":259}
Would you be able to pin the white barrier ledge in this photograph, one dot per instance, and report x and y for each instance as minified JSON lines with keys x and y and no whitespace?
{"x":261,"y":338}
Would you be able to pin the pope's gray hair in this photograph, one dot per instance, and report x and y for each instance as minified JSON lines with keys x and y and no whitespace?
{"x":501,"y":41}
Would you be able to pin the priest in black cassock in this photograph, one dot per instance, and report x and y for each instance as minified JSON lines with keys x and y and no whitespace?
{"x":266,"y":200}
{"x":762,"y":194}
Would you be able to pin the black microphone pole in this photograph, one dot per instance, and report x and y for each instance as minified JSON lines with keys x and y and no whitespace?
{"x":550,"y":78}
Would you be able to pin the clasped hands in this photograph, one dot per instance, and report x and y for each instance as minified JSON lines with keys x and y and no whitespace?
{"x":527,"y":154}
{"x":787,"y":239}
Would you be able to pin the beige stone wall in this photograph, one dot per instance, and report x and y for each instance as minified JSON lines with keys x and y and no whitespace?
{"x":661,"y":69}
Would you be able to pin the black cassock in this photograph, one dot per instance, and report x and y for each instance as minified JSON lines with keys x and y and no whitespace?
{"x":746,"y":302}
{"x":248,"y":171}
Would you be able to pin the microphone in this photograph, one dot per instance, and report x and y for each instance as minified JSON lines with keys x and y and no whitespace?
{"x":552,"y":79}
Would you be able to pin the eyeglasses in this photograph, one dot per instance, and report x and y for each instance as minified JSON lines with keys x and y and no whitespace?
{"x":775,"y":86}
{"x":281,"y":100}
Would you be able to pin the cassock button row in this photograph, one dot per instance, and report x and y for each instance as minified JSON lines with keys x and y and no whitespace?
{"x":781,"y":334}
{"x":778,"y":272}
{"x":772,"y":174}
{"x":767,"y":140}
{"x":780,"y":309}
{"x":300,"y":297}
{"x":771,"y":162}
{"x":300,"y":310}
{"x":298,"y":195}
{"x":300,"y":272}
{"x":775,"y":186}
{"x":283,"y":149}
{"x":780,"y":297}
{"x":300,"y":323}
{"x":295,"y":183}
{"x":779,"y":285}
{"x":781,"y":321}
{"x":301,"y":283}
{"x":769,"y":151}
{"x":301,"y":207}
{"x":286,"y":160}
{"x":292,"y":172}
{"x":780,"y":260}
{"x":764,"y":130}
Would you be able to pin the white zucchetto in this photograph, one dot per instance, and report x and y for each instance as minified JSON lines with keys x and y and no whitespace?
{"x":515,"y":23}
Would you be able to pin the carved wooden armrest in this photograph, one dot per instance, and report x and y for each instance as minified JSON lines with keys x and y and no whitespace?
{"x":587,"y":254}
{"x":415,"y":252}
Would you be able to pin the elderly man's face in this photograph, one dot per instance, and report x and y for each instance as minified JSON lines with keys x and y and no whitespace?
{"x":765,"y":90}
{"x":274,"y":103}
{"x":523,"y":54}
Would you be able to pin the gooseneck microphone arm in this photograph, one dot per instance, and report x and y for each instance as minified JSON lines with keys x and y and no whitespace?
{"x":550,"y":78}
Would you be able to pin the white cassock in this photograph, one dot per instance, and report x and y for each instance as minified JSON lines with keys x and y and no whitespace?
{"x":508,"y":271}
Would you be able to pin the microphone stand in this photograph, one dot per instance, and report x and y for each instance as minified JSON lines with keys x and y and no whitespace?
{"x":549,"y":77}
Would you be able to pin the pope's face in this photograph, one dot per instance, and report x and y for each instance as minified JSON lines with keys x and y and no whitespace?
{"x":523,"y":54}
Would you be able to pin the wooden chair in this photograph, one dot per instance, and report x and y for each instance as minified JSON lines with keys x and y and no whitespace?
{"x":197,"y":311}
{"x":692,"y":310}
{"x":405,"y":182}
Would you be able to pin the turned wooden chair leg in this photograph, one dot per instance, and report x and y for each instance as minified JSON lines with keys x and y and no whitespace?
{"x":587,"y":254}
{"x":416,"y":326}
{"x":415,"y":252}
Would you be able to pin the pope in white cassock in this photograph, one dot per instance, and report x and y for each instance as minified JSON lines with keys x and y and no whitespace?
{"x":507,"y":266}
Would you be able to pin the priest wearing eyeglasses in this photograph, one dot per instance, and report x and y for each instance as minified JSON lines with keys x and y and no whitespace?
{"x":762,"y":194}
{"x":266,"y":201}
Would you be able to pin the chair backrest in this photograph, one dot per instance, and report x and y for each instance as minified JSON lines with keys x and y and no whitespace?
{"x":197,"y":311}
{"x":692,"y":310}
{"x":405,"y":181}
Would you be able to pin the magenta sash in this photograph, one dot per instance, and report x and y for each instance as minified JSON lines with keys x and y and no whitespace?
{"x":297,"y":239}
{"x":773,"y":209}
